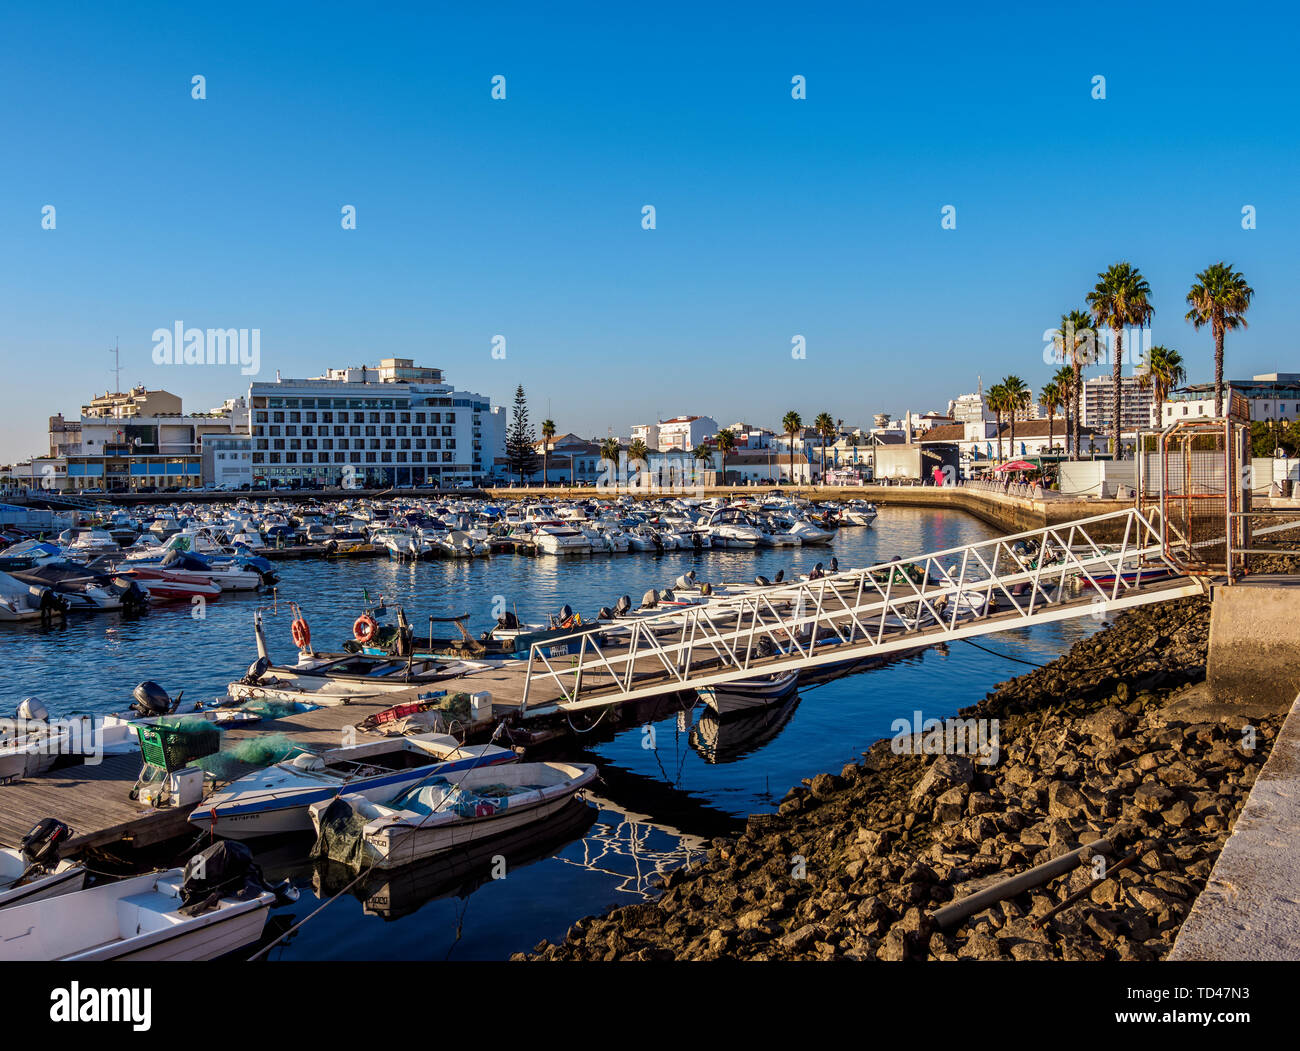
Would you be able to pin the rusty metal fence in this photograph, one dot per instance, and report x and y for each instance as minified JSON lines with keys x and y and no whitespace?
{"x":1194,"y":483}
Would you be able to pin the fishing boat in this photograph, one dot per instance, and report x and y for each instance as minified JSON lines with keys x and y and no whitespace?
{"x":338,"y":678}
{"x":444,"y":812}
{"x":275,"y":800}
{"x":760,"y":691}
{"x":34,"y":870}
{"x":171,"y":915}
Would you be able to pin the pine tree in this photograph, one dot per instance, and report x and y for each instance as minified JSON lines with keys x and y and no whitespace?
{"x":520,"y":454}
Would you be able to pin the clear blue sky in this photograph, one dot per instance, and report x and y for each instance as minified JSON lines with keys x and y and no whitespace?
{"x":522,"y":217}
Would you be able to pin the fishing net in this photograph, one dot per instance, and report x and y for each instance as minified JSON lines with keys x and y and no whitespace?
{"x":269,"y":709}
{"x":341,"y":835}
{"x":253,"y":753}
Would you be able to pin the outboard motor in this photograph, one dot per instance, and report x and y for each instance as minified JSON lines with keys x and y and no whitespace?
{"x":134,"y":598}
{"x":507,"y":620}
{"x":835,"y":564}
{"x":226,"y":869}
{"x":604,"y":613}
{"x":50,"y":603}
{"x":256,"y":670}
{"x":780,"y":576}
{"x":40,"y":847}
{"x":152,"y":700}
{"x":171,"y":558}
{"x":566,"y":612}
{"x":762,"y":581}
{"x":32,"y":710}
{"x":650,"y":599}
{"x":817,"y":572}
{"x":622,"y":605}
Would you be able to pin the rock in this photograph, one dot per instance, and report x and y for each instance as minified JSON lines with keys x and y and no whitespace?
{"x":944,"y":773}
{"x":951,"y":805}
{"x":797,"y":940}
{"x":1107,"y":725}
{"x":1152,"y":797}
{"x":1064,"y":801}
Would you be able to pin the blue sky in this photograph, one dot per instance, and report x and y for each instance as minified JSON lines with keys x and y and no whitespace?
{"x":522,"y":217}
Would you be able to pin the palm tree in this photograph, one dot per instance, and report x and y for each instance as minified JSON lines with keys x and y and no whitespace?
{"x":609,"y":450}
{"x":1162,"y":371}
{"x":1064,"y":381}
{"x":548,"y":432}
{"x":1050,"y":399}
{"x":1018,"y":398}
{"x":704,"y":454}
{"x":726,"y":443}
{"x":1078,"y":342}
{"x":997,"y":399}
{"x":792,"y":422}
{"x":1220,"y":298}
{"x":1122,"y":297}
{"x":825,"y":427}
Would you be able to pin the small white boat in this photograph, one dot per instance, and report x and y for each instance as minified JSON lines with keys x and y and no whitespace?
{"x":275,"y":800}
{"x":445,"y":812}
{"x":132,"y":919}
{"x":747,"y":694}
{"x":35,"y":871}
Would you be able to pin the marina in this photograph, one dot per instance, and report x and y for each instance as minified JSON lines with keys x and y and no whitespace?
{"x":94,"y":800}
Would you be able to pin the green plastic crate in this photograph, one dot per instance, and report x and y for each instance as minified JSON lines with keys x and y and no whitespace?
{"x":172,"y":747}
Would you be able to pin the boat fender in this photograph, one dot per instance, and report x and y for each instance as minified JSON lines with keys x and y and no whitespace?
{"x":300,"y":632}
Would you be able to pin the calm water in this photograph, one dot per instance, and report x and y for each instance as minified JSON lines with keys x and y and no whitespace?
{"x":656,"y":807}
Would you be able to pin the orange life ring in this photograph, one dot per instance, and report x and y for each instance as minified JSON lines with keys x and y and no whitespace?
{"x":365,"y":628}
{"x":300,"y":633}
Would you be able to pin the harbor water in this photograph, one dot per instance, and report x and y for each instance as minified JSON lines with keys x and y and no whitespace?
{"x":664,"y":792}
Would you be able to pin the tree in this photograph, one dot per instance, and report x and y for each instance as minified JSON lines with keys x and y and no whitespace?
{"x":1162,"y":371}
{"x":998,"y":402}
{"x":1220,"y":298}
{"x":825,"y":427}
{"x":726,"y":444}
{"x":704,"y":454}
{"x":1078,"y":342}
{"x":521,"y":457}
{"x":1122,"y":298}
{"x":1050,"y":399}
{"x":792,"y":423}
{"x":1064,"y":380}
{"x":638,"y":451}
{"x":548,"y":432}
{"x":1018,"y":398}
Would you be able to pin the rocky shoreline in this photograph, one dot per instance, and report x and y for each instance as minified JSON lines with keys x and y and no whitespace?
{"x":1115,"y":741}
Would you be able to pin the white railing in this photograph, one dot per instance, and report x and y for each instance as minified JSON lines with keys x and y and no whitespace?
{"x":991,"y":585}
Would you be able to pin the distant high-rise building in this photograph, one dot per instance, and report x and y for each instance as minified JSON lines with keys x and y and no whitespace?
{"x":1136,"y":404}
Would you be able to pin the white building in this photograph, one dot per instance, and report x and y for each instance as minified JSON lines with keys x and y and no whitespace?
{"x":1271,"y":396}
{"x":646,"y":432}
{"x":969,"y":408}
{"x":681,"y":432}
{"x":139,"y":439}
{"x":367,"y":427}
{"x":228,"y":460}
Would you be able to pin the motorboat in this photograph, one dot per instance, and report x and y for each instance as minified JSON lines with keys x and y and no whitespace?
{"x":20,"y":600}
{"x":159,"y":916}
{"x":34,"y":870}
{"x":443,"y":812}
{"x":733,"y":527}
{"x":560,"y":538}
{"x":275,"y":800}
{"x":27,"y":554}
{"x":83,"y":588}
{"x":759,"y":691}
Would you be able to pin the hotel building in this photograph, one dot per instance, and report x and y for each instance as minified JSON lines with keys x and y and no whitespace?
{"x":365,"y":427}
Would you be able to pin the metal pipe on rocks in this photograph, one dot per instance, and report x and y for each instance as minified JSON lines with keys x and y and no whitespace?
{"x":952,"y":914}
